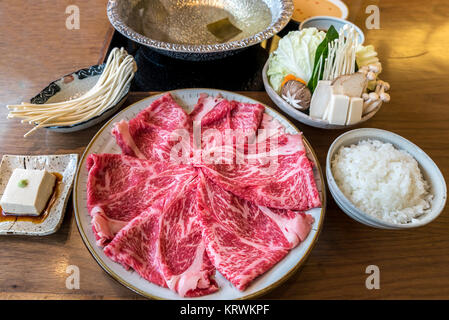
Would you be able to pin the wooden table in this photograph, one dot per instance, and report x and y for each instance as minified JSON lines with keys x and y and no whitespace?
{"x":413,"y":46}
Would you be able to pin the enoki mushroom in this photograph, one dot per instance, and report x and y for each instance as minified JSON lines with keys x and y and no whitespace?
{"x":342,"y":54}
{"x":116,"y":76}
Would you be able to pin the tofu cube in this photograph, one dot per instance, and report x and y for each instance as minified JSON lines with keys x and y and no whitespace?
{"x":27,"y":192}
{"x":320,"y":99}
{"x":338,"y":109}
{"x":355,"y":111}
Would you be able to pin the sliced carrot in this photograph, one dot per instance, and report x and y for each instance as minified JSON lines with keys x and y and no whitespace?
{"x":292,"y":77}
{"x":288,"y":78}
{"x":301,"y":80}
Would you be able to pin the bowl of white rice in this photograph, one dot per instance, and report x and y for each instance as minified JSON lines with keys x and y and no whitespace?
{"x":383,"y":180}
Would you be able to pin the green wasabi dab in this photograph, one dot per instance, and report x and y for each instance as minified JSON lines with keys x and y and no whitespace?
{"x":23,"y":183}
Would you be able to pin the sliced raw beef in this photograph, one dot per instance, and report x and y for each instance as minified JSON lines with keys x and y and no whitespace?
{"x":184,"y":261}
{"x":245,"y":121}
{"x":121,"y":187}
{"x":219,"y":113}
{"x":209,"y":113}
{"x":244,"y":240}
{"x":152,"y":133}
{"x":210,"y":110}
{"x":164,"y":245}
{"x":271,"y":126}
{"x":279,"y":176}
{"x":246,"y":116}
{"x":136,"y":246}
{"x":220,"y":123}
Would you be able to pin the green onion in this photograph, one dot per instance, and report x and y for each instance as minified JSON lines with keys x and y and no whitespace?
{"x":321,"y":54}
{"x":23,"y":183}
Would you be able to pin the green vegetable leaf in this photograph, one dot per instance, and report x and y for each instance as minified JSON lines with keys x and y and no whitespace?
{"x":294,"y":55}
{"x":321,"y":53}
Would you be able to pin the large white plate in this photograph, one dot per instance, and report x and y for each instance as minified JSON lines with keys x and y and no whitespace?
{"x":103,"y":142}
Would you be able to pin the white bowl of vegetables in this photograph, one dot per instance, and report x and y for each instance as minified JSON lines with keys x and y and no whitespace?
{"x":325,"y":79}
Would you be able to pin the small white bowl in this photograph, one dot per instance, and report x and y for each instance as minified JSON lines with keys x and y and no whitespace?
{"x":429,"y":169}
{"x":324,"y":23}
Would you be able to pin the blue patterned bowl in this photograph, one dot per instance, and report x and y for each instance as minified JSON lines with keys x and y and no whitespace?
{"x":72,"y":86}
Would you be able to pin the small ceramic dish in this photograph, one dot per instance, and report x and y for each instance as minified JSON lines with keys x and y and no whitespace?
{"x":429,"y":169}
{"x":305,"y":9}
{"x":71,"y":86}
{"x":325,"y":22}
{"x":302,"y":116}
{"x":65,"y":166}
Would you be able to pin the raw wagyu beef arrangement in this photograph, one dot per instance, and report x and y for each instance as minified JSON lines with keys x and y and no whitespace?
{"x":177,"y":208}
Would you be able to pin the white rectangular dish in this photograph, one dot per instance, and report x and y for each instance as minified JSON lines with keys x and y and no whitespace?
{"x":65,"y":166}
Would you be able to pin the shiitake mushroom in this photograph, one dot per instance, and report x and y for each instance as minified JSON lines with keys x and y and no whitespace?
{"x":297,"y":94}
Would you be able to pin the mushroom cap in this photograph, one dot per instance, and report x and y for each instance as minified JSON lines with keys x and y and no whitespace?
{"x":385,"y":97}
{"x":297,"y":91}
{"x":371,"y":75}
{"x":385,"y":85}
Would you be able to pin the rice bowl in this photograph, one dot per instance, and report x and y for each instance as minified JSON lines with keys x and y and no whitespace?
{"x":382,"y":181}
{"x":430,"y":171}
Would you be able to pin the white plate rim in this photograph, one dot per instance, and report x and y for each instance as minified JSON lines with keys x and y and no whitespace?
{"x":104,"y":264}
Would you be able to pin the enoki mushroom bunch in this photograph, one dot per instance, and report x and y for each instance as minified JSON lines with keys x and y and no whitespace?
{"x":342,"y":54}
{"x":116,"y":76}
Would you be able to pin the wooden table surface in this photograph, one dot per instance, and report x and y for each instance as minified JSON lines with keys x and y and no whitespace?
{"x":414,"y":50}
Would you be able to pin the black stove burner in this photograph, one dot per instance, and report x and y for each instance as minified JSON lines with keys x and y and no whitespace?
{"x":242,"y":71}
{"x":157,"y":72}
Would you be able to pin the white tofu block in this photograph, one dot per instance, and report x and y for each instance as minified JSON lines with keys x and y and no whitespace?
{"x":27,"y":192}
{"x":320,"y":99}
{"x":355,"y":111}
{"x":338,"y":109}
{"x":326,"y":113}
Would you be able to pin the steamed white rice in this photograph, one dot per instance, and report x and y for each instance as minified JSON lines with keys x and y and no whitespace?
{"x":382,"y":181}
